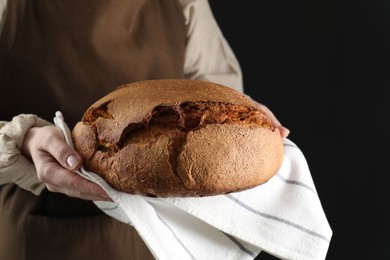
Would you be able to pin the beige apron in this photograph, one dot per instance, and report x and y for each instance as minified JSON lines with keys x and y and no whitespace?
{"x":63,"y":55}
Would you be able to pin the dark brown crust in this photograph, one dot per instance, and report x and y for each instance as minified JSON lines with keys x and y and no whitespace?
{"x":180,"y":138}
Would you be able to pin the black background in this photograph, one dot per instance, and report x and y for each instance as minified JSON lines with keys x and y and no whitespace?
{"x":322,"y":67}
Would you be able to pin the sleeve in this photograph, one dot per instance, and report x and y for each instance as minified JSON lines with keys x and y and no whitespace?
{"x":14,"y":167}
{"x":3,"y":7}
{"x":208,"y":55}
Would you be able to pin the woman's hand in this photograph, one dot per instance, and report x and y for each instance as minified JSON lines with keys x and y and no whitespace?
{"x":284,"y":132}
{"x":55,"y":162}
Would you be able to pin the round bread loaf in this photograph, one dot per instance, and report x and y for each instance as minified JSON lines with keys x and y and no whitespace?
{"x":178,"y":138}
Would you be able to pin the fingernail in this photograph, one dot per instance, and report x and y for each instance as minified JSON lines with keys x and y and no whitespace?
{"x":72,"y":161}
{"x":286,"y":132}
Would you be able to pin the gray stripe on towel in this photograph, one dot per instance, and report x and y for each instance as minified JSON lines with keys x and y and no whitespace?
{"x":177,"y":238}
{"x":281,"y":220}
{"x":241,"y":246}
{"x":296,"y":183}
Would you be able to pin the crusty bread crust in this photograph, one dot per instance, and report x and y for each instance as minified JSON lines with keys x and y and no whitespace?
{"x":179,"y":138}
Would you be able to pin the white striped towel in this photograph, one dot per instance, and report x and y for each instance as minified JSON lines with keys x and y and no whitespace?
{"x":283,"y":217}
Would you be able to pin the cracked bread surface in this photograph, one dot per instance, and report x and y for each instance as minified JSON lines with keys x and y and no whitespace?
{"x":178,"y":138}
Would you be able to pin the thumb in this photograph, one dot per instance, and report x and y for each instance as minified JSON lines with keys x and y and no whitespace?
{"x":62,"y":152}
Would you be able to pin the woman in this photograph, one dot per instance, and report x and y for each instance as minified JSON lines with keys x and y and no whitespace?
{"x":64,"y":55}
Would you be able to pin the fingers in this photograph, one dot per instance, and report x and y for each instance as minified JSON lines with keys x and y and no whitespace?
{"x":56,"y":161}
{"x":284,"y":132}
{"x":51,"y":140}
{"x":62,"y":152}
{"x":58,"y":179}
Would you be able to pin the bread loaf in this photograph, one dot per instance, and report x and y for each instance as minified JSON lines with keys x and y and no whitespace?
{"x":178,"y":138}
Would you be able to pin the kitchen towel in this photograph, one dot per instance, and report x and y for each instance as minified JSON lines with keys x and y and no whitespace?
{"x":283,"y":217}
